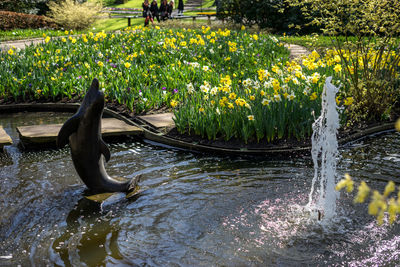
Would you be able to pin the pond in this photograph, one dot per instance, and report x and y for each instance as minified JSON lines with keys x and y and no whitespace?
{"x":194,"y":209}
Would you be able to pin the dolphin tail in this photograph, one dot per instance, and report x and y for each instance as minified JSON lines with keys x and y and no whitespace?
{"x":69,"y":127}
{"x":134,"y":182}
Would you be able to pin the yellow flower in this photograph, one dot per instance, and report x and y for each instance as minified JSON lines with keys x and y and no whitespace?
{"x":250,"y":117}
{"x":183,"y":43}
{"x":348,"y":101}
{"x":363,"y":191}
{"x":390,"y":187}
{"x":337,"y":100}
{"x":337,"y":68}
{"x":230,"y":105}
{"x":397,"y":125}
{"x":232,"y":95}
{"x":201,"y":109}
{"x":63,"y":39}
{"x":174,"y":103}
{"x":100,"y":63}
{"x":346,"y":182}
{"x":127,"y":65}
{"x":313,"y":96}
{"x":243,"y":28}
{"x":252,"y":97}
{"x":47,"y":39}
{"x":10,"y":52}
{"x":392,"y":210}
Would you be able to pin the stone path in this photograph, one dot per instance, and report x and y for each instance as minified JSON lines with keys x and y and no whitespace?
{"x":164,"y":120}
{"x":5,"y":139}
{"x":19,"y":44}
{"x":32,"y":136}
{"x":296,"y":51}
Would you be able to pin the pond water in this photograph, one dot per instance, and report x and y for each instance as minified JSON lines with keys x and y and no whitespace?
{"x":194,"y":209}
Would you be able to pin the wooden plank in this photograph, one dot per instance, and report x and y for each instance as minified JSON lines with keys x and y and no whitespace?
{"x":47,"y":133}
{"x":5,"y":139}
{"x":159,"y":120}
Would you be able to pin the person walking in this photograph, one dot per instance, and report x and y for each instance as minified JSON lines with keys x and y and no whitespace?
{"x":154,"y":10}
{"x":164,"y":10}
{"x":147,"y":13}
{"x":170,"y":7}
{"x":180,"y":7}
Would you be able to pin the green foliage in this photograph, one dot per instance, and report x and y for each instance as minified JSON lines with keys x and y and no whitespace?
{"x":71,"y":14}
{"x":275,"y":15}
{"x":12,"y":20}
{"x":18,"y":34}
{"x":368,"y":49}
{"x":38,"y":7}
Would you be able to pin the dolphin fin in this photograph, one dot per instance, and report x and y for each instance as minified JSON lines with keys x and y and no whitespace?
{"x":69,"y":127}
{"x":105,"y":150}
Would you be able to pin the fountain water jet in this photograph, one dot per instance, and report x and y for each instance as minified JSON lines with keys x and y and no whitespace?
{"x":325,"y":153}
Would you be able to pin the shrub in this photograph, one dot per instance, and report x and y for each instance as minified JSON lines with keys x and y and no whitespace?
{"x":38,"y":7}
{"x":13,"y":20}
{"x":275,"y":15}
{"x":74,"y":15}
{"x":364,"y":34}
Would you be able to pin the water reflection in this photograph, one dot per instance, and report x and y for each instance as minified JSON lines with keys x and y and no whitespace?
{"x":195,"y":210}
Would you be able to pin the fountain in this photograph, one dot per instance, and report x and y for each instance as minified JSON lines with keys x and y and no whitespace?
{"x":325,"y":154}
{"x":195,"y":209}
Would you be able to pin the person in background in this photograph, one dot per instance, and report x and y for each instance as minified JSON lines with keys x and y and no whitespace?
{"x":170,"y":7}
{"x":163,"y":10}
{"x":154,"y":10}
{"x":180,"y":7}
{"x":147,"y":13}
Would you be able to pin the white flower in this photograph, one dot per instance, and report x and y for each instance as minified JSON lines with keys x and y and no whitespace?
{"x":214,"y":90}
{"x":217,"y":111}
{"x":247,"y":82}
{"x":204,"y":88}
{"x":256,"y":85}
{"x":190,"y":88}
{"x":211,"y":51}
{"x":277,"y":98}
{"x":205,"y":68}
{"x":265,"y":102}
{"x":195,"y":65}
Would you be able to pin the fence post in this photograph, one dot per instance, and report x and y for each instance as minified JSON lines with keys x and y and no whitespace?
{"x":129,"y":22}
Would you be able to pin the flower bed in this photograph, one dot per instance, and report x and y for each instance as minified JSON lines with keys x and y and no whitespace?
{"x":222,"y":84}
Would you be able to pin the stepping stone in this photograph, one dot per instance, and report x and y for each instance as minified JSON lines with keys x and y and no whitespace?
{"x":47,"y":133}
{"x":159,"y":120}
{"x":5,"y":139}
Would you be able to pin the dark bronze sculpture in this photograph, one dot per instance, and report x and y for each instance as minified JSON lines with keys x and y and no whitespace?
{"x":83,"y":131}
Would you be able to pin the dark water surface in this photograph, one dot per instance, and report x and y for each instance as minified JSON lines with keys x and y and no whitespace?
{"x":195,"y":210}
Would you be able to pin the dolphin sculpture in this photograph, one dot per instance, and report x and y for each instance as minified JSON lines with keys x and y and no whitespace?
{"x":88,"y":150}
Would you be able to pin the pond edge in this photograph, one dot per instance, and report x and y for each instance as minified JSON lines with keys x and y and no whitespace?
{"x":157,"y":136}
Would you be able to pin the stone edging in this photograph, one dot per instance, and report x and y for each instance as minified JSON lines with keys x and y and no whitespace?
{"x":156,"y":136}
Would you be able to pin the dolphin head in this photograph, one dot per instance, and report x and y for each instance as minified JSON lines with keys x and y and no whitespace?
{"x":93,"y":103}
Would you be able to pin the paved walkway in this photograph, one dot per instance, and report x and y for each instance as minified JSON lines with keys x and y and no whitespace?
{"x":33,"y":135}
{"x":296,"y":51}
{"x":5,"y":139}
{"x":19,"y":44}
